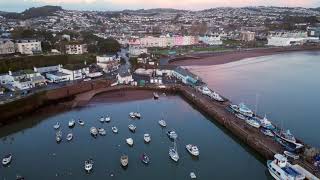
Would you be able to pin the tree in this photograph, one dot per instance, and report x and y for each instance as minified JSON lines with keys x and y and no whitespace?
{"x":109,"y":45}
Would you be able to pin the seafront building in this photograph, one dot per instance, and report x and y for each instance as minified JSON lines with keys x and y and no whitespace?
{"x":211,"y":39}
{"x":289,"y":38}
{"x":108,"y":63}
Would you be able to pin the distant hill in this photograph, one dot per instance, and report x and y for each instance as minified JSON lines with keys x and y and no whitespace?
{"x":33,"y":12}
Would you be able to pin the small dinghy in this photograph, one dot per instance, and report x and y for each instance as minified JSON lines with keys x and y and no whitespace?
{"x":162,"y":123}
{"x":56,"y":126}
{"x":102,"y":131}
{"x":80,"y":122}
{"x":107,"y":119}
{"x":71,"y":123}
{"x":132,"y":127}
{"x":193,"y":175}
{"x":94,"y":131}
{"x":137,"y":115}
{"x":88,"y":165}
{"x":291,"y":155}
{"x":59,"y":136}
{"x":124,"y":160}
{"x":114,"y":129}
{"x":192,"y":149}
{"x":131,"y":115}
{"x":69,"y":136}
{"x":6,"y":160}
{"x":173,"y":153}
{"x":145,"y":158}
{"x":102,"y":119}
{"x":172,"y":135}
{"x":147,"y":138}
{"x":18,"y":177}
{"x":155,"y":95}
{"x":129,"y":141}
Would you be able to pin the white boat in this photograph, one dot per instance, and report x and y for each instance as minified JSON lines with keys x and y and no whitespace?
{"x":102,"y":119}
{"x":145,"y":158}
{"x":147,"y":138}
{"x":59,"y":136}
{"x":107,"y":119}
{"x":56,"y":126}
{"x":131,"y":115}
{"x":114,"y":129}
{"x":253,"y":123}
{"x":102,"y":131}
{"x":172,"y":135}
{"x":216,"y":97}
{"x":291,"y":155}
{"x":204,"y":90}
{"x":286,"y":135}
{"x":173,"y":152}
{"x":132,"y":127}
{"x":69,"y":136}
{"x":137,"y":115}
{"x":192,"y":149}
{"x":155,"y":95}
{"x":193,"y":175}
{"x":124,"y":160}
{"x":265,"y":123}
{"x":71,"y":123}
{"x":240,"y":116}
{"x":81,"y":123}
{"x":6,"y":160}
{"x":242,"y":109}
{"x":162,"y":123}
{"x":281,"y":169}
{"x":129,"y":141}
{"x":88,"y":165}
{"x":267,"y":132}
{"x":94,"y":131}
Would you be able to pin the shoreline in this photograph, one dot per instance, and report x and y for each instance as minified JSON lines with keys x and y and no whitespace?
{"x":207,"y":59}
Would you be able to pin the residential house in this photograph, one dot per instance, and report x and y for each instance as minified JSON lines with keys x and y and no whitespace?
{"x":28,"y":46}
{"x":247,"y":36}
{"x":137,"y":50}
{"x":6,"y":47}
{"x":76,"y":48}
{"x":124,"y":78}
{"x":108,"y":63}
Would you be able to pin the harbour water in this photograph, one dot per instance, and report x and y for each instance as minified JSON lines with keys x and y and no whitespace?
{"x":285,"y":87}
{"x":36,"y":155}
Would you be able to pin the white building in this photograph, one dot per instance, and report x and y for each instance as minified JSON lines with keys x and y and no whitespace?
{"x":108,"y":63}
{"x":137,"y":50}
{"x":124,"y":78}
{"x":6,"y":46}
{"x":288,"y":38}
{"x":211,"y":39}
{"x":23,"y":80}
{"x":28,"y":46}
{"x":76,"y":48}
{"x":75,"y":72}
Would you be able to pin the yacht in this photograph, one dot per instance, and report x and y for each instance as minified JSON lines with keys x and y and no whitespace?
{"x":132,"y":127}
{"x":285,"y":135}
{"x":162,"y":123}
{"x":129,"y":141}
{"x":216,"y":97}
{"x":253,"y":123}
{"x":56,"y":126}
{"x":124,"y":160}
{"x":292,"y":147}
{"x":172,"y":135}
{"x":291,"y":155}
{"x":107,"y":119}
{"x":192,"y":149}
{"x":81,"y":123}
{"x":6,"y":160}
{"x":88,"y":165}
{"x":137,"y":115}
{"x":193,"y":175}
{"x":71,"y":123}
{"x":102,"y":131}
{"x":114,"y":129}
{"x":173,"y":152}
{"x":145,"y":158}
{"x":242,"y":109}
{"x":102,"y":119}
{"x":267,"y":132}
{"x":265,"y":123}
{"x":155,"y":95}
{"x":147,"y":138}
{"x":94,"y":131}
{"x":131,"y":115}
{"x":281,"y":169}
{"x":205,"y":90}
{"x":69,"y":136}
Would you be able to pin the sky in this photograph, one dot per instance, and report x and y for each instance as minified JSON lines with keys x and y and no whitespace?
{"x":21,"y":5}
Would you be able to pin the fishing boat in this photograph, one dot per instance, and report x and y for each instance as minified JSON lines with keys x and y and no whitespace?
{"x":193,"y":175}
{"x":132,"y":127}
{"x":132,"y":115}
{"x":88,"y":165}
{"x":129,"y":141}
{"x":265,"y":123}
{"x":172,"y":134}
{"x":216,"y":97}
{"x":145,"y":158}
{"x":192,"y":149}
{"x":102,"y":131}
{"x":137,"y":115}
{"x":267,"y":132}
{"x":71,"y":123}
{"x":124,"y":160}
{"x":292,"y":147}
{"x":281,"y":169}
{"x":80,"y":122}
{"x":162,"y":123}
{"x":107,"y":119}
{"x":253,"y":123}
{"x":6,"y":160}
{"x":285,"y":135}
{"x":242,"y":109}
{"x":155,"y":95}
{"x":69,"y":136}
{"x":291,"y":155}
{"x":173,"y":152}
{"x":58,"y":136}
{"x":94,"y":131}
{"x":114,"y":129}
{"x":56,"y":126}
{"x":240,"y":116}
{"x":102,"y":119}
{"x":147,"y":138}
{"x":204,"y":90}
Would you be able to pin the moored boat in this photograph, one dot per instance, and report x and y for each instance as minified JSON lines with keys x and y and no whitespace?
{"x":265,"y":123}
{"x":56,"y":126}
{"x":173,"y":152}
{"x":242,"y":109}
{"x":71,"y":123}
{"x":193,"y":175}
{"x":285,"y":135}
{"x":88,"y":165}
{"x":162,"y":123}
{"x":292,"y":147}
{"x":124,"y":160}
{"x":6,"y":160}
{"x":192,"y":149}
{"x":102,"y":119}
{"x":172,"y":135}
{"x":137,"y":115}
{"x":102,"y":131}
{"x":69,"y":136}
{"x":216,"y":97}
{"x":131,"y":115}
{"x":58,"y":136}
{"x":94,"y":131}
{"x":129,"y":141}
{"x":253,"y":123}
{"x":81,"y":122}
{"x":114,"y":129}
{"x":145,"y":158}
{"x":132,"y":127}
{"x":107,"y":119}
{"x":267,"y":132}
{"x":240,"y":116}
{"x":147,"y":138}
{"x":291,"y":155}
{"x":155,"y":95}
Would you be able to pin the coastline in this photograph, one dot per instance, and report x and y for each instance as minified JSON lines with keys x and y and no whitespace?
{"x":207,"y":59}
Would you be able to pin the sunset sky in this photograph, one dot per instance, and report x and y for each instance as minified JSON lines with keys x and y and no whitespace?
{"x":20,"y":5}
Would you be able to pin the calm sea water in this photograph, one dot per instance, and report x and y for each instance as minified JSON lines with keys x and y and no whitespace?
{"x":285,"y":87}
{"x":38,"y":156}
